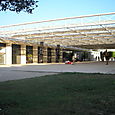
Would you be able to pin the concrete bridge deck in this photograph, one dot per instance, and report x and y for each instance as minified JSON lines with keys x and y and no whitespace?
{"x":15,"y":72}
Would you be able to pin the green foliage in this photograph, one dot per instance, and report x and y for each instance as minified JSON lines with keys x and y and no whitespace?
{"x":61,"y":94}
{"x":113,"y":54}
{"x":18,"y":5}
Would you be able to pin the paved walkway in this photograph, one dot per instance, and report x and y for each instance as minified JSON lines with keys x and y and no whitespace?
{"x":28,"y":71}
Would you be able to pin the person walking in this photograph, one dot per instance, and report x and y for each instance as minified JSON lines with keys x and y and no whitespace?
{"x":73,"y":59}
{"x":106,"y":54}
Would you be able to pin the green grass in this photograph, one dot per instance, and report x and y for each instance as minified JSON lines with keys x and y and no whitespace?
{"x":61,"y":94}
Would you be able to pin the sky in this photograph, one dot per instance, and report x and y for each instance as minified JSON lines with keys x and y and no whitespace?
{"x":53,"y":9}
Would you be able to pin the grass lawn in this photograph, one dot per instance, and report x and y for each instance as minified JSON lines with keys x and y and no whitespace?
{"x":61,"y":94}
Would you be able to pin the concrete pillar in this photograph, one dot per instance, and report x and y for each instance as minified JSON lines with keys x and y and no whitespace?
{"x":23,"y":54}
{"x":58,"y":54}
{"x":53,"y":55}
{"x":45,"y":55}
{"x":8,"y":54}
{"x":61,"y":56}
{"x":35,"y":54}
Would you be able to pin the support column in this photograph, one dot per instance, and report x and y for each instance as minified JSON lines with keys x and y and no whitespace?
{"x":35,"y":54}
{"x":58,"y":54}
{"x":9,"y":54}
{"x":45,"y":55}
{"x":23,"y":54}
{"x":53,"y":55}
{"x":61,"y":56}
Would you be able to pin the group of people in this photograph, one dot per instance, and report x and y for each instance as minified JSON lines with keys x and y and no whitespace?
{"x":102,"y":55}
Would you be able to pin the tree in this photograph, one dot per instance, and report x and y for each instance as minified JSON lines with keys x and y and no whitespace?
{"x":18,"y":5}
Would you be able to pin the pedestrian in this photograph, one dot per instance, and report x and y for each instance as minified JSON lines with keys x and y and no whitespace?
{"x":73,"y":59}
{"x":106,"y":54}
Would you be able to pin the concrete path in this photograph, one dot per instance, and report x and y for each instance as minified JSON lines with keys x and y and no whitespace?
{"x":15,"y":72}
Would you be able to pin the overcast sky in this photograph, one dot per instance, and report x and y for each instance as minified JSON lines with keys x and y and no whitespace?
{"x":52,"y":9}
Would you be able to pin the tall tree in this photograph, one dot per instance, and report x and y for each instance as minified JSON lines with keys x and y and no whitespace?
{"x":18,"y":5}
